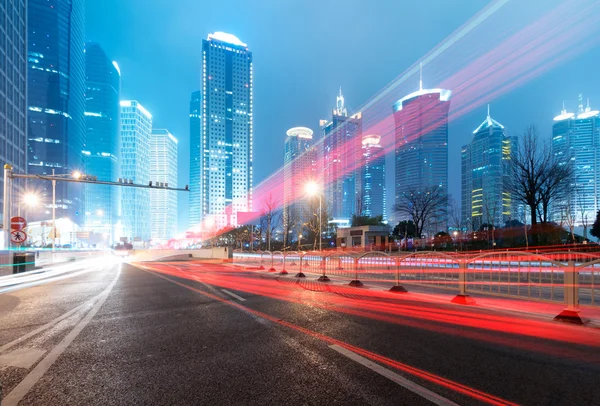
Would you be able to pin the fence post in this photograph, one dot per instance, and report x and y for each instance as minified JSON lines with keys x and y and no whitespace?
{"x":272,"y":269}
{"x":571,"y":280}
{"x":397,"y":288}
{"x":300,"y":274}
{"x":462,"y":297}
{"x":261,"y":267}
{"x":323,"y":278}
{"x":283,"y":271}
{"x":355,"y":282}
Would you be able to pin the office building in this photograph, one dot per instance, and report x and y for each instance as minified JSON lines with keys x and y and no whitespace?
{"x":300,"y":169}
{"x":341,"y":160}
{"x":421,"y":128}
{"x":195,"y":194}
{"x":576,"y":138}
{"x":485,"y":191}
{"x":373,"y":199}
{"x":13,"y":85}
{"x":102,"y":144}
{"x":56,"y":99}
{"x":136,"y":128}
{"x":227,"y":130}
{"x":163,"y":173}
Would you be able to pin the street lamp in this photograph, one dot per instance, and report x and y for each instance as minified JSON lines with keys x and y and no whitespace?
{"x":29,"y":199}
{"x":312,"y":189}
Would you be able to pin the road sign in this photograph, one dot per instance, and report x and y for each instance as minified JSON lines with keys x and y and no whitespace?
{"x":18,"y":236}
{"x":17,"y":223}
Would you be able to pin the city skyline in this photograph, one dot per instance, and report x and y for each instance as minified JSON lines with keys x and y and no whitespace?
{"x":535,"y":99}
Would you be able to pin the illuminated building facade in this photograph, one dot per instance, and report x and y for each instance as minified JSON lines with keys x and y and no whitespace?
{"x":136,"y":128}
{"x":373,"y":199}
{"x":485,"y":177}
{"x":195,"y":198}
{"x":101,"y":154}
{"x":421,"y":129}
{"x":576,"y":138}
{"x":13,"y":85}
{"x":56,"y":98}
{"x":341,"y":155}
{"x":227,"y":129}
{"x":300,"y":168}
{"x":163,"y":170}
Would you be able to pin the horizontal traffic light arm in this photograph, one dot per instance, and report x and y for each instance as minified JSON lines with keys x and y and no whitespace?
{"x":95,"y":182}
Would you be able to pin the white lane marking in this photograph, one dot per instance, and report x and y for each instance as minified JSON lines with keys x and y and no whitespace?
{"x":19,"y":392}
{"x":22,"y":358}
{"x":392,"y":376}
{"x":241,"y":299}
{"x":46,"y":326}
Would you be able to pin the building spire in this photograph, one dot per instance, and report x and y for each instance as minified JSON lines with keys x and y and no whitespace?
{"x":340,"y":109}
{"x":488,"y":110}
{"x":580,"y":103}
{"x":421,"y":76}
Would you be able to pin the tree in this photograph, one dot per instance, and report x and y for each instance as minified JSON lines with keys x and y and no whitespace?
{"x":270,"y":216}
{"x":422,"y":206}
{"x":538,"y":180}
{"x":405,"y":229}
{"x":358,"y":221}
{"x":316,"y":222}
{"x":582,"y":212}
{"x":595,"y":231}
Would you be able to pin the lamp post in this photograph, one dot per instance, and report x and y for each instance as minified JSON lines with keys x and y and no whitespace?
{"x":313,"y":189}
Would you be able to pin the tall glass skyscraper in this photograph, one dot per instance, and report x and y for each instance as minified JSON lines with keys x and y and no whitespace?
{"x":56,"y":88}
{"x":576,"y":138}
{"x":227,"y":129}
{"x":195,"y":198}
{"x":341,"y":157}
{"x":163,"y":169}
{"x":102,"y":116}
{"x":13,"y":75}
{"x":136,"y":127}
{"x":485,"y":178}
{"x":373,"y":194}
{"x":299,"y":168}
{"x":421,"y":120}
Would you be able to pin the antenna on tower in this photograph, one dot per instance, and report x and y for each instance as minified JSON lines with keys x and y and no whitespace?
{"x":580,"y":103}
{"x":421,"y":76}
{"x":488,"y":109}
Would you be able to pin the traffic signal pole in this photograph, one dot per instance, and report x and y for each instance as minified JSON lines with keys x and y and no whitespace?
{"x":6,"y":207}
{"x":9,"y":175}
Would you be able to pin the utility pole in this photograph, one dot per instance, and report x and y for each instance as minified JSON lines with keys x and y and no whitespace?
{"x":6,"y":206}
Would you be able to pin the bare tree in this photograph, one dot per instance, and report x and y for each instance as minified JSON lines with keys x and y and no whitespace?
{"x":582,"y":212}
{"x":456,"y":219}
{"x":423,"y":205}
{"x":538,"y":180}
{"x":316,"y":222}
{"x":288,"y":224}
{"x":270,"y":216}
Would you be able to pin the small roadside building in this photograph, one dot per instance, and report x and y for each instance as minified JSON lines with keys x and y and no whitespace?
{"x":364,"y":237}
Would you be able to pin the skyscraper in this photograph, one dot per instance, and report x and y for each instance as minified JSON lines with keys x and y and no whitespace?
{"x":485,"y":181}
{"x":136,"y":127}
{"x":101,"y":154}
{"x":421,"y":120}
{"x":576,"y":138}
{"x":299,"y":168}
{"x":163,"y":171}
{"x":227,"y":129}
{"x":195,"y":198}
{"x":13,"y":76}
{"x":373,"y":194}
{"x":341,"y":158}
{"x":56,"y":87}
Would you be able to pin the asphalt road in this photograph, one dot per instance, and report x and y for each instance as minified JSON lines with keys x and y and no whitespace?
{"x":210,"y":334}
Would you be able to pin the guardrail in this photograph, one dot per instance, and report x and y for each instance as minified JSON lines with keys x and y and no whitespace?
{"x":572,"y":278}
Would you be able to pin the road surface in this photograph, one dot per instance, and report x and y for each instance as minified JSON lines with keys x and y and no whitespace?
{"x":204,"y":333}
